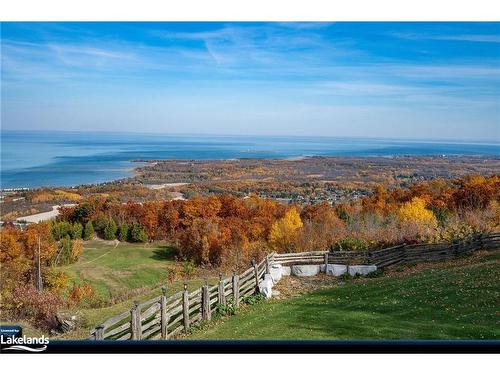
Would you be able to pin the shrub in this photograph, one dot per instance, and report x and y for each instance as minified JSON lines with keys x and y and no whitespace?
{"x":38,"y":308}
{"x":81,"y":294}
{"x":56,"y":281}
{"x":188,"y":268}
{"x":378,"y":273}
{"x":351,"y":244}
{"x":253,"y":299}
{"x":225,"y":310}
{"x":345,"y":276}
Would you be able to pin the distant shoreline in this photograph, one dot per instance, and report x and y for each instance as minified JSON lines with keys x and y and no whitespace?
{"x":136,"y":170}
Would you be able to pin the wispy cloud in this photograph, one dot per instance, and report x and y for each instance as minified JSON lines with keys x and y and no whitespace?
{"x":481,"y":38}
{"x":282,"y":73}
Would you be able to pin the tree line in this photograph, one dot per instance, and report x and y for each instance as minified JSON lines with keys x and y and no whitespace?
{"x":226,"y":232}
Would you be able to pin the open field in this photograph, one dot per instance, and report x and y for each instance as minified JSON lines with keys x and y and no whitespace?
{"x":123,"y":273}
{"x":114,"y":269}
{"x":455,"y":300}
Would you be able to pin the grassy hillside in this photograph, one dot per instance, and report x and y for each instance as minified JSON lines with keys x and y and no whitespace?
{"x":450,"y":301}
{"x":122,"y":274}
{"x":113,"y":270}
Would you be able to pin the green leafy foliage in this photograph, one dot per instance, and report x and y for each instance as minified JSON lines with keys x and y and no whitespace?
{"x":351,"y":244}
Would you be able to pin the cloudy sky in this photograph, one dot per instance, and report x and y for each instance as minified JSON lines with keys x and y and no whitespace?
{"x":415,"y":80}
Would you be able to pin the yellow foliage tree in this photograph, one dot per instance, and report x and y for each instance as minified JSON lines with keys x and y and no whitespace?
{"x":285,"y":232}
{"x":414,"y":211}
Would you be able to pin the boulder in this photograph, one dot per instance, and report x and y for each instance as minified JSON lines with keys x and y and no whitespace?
{"x":266,"y":287}
{"x":305,"y":270}
{"x":285,"y":270}
{"x":336,"y":269}
{"x":361,"y":269}
{"x":276,"y":270}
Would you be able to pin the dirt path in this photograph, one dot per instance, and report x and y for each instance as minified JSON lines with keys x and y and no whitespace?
{"x":43,"y":216}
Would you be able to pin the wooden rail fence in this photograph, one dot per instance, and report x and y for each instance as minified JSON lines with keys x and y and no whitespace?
{"x":400,"y":254}
{"x":164,"y":317}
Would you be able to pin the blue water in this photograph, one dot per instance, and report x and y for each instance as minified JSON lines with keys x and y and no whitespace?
{"x":34,"y":159}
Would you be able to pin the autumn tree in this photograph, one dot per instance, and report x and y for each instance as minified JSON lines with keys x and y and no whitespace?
{"x":285,"y":231}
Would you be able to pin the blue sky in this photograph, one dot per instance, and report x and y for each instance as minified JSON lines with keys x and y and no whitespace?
{"x":411,"y":80}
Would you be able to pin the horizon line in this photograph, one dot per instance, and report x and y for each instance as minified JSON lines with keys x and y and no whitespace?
{"x":483,"y":141}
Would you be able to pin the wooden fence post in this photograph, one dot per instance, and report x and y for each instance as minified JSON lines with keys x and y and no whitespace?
{"x":99,"y":332}
{"x":236,"y":289}
{"x":222,"y":294}
{"x":163,"y":314}
{"x":206,"y":314}
{"x":256,"y":274}
{"x":185,"y":307}
{"x":268,"y":270}
{"x":326,"y":262}
{"x":135,"y":322}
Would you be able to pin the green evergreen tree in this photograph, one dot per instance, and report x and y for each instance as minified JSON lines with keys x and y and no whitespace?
{"x":88,"y":232}
{"x":110,"y":230}
{"x":123,"y":233}
{"x":76,"y":231}
{"x":137,"y":234}
{"x":61,"y":229}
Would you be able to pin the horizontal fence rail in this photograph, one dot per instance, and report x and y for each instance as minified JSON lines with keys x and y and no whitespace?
{"x":165,"y":317}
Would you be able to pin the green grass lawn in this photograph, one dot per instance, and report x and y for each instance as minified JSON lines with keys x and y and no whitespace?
{"x":121,"y":275}
{"x":454,"y":302}
{"x":115,"y":270}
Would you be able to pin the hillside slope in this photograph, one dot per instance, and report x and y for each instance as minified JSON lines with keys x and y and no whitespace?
{"x":454,"y":300}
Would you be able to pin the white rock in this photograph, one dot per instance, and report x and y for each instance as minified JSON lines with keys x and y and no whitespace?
{"x":276,"y":270}
{"x":305,"y":270}
{"x":336,"y":269}
{"x":285,"y":270}
{"x":361,"y":270}
{"x":266,"y":287}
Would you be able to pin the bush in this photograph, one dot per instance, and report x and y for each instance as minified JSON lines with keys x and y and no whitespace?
{"x":225,"y":310}
{"x":253,"y":299}
{"x":88,"y":233}
{"x":38,"y":308}
{"x":188,"y":268}
{"x":378,"y":273}
{"x":351,"y":244}
{"x":83,"y":295}
{"x":345,"y":276}
{"x":56,"y":281}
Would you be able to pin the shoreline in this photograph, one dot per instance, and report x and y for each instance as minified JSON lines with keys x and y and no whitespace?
{"x":136,"y":171}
